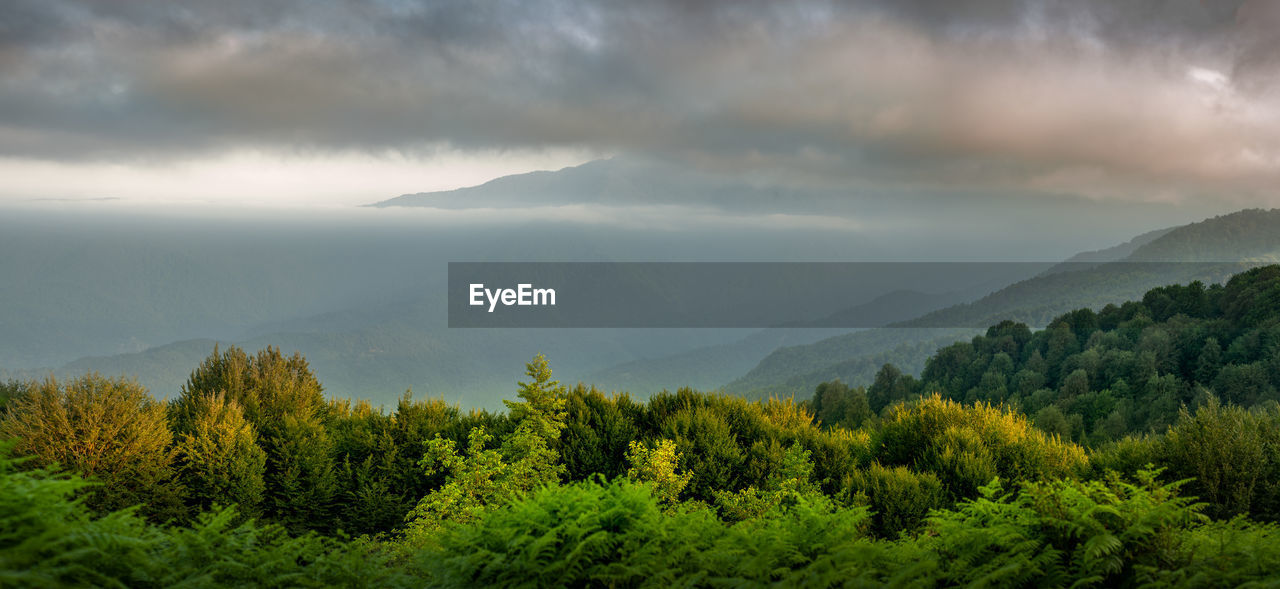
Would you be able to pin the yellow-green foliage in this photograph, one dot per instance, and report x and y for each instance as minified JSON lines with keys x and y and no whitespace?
{"x":1069,"y":533}
{"x":785,"y":414}
{"x":218,"y":458}
{"x":595,"y":534}
{"x":968,"y":445}
{"x":477,"y":481}
{"x":1062,"y":533}
{"x":267,"y":385}
{"x":485,"y":478}
{"x":108,"y":429}
{"x":539,"y":417}
{"x":657,"y":466}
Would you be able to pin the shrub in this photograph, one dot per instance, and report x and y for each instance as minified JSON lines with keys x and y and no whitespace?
{"x":50,"y":539}
{"x":967,"y":445}
{"x":616,"y":535}
{"x":899,"y":498}
{"x":1233,"y":455}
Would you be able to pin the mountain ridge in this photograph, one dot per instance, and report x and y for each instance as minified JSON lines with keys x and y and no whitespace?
{"x":1253,"y":239}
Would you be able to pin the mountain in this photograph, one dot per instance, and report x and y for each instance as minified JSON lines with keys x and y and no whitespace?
{"x":665,"y":196}
{"x":710,"y":367}
{"x":379,"y":354}
{"x":614,"y":181}
{"x":1210,"y":251}
{"x":1119,"y":252}
{"x":703,"y":368}
{"x":122,"y":289}
{"x":853,"y":358}
{"x":1251,"y":235}
{"x":893,"y":307}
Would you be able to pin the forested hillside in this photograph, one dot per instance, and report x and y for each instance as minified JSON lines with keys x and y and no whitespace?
{"x":851,"y":358}
{"x":1209,"y":251}
{"x":1094,"y":376}
{"x":936,"y":481}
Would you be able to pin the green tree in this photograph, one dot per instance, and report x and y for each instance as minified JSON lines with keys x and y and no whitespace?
{"x":657,"y":466}
{"x":484,"y":478}
{"x":598,"y":433}
{"x":219,"y":459}
{"x":788,"y":484}
{"x":1209,"y":362}
{"x":284,"y":401}
{"x":899,"y":498}
{"x":108,"y":429}
{"x":890,"y":386}
{"x":1233,"y":455}
{"x":540,"y":418}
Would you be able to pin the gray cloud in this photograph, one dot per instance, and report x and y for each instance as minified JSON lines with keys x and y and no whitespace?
{"x":1148,"y":99}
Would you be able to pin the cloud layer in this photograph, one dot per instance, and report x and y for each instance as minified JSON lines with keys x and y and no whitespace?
{"x":1149,"y":100}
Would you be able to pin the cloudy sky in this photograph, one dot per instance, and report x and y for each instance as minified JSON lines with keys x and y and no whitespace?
{"x":307,"y":101}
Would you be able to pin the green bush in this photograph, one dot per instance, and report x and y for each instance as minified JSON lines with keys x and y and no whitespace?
{"x":1233,"y":455}
{"x":1064,"y":533}
{"x":50,"y":539}
{"x":899,"y":498}
{"x":617,"y":535}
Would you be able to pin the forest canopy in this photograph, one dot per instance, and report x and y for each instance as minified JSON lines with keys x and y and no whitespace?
{"x":1136,"y":444}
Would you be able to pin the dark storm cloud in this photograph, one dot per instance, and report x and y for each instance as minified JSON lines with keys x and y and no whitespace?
{"x":1089,"y":96}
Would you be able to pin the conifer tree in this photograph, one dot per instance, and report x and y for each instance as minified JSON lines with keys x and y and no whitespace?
{"x":485,"y":478}
{"x":284,"y":401}
{"x":219,"y":458}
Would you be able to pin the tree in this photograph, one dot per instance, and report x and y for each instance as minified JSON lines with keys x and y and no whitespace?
{"x":1232,"y":453}
{"x":657,"y":466}
{"x":219,"y":459}
{"x":890,"y":386}
{"x":598,"y":433}
{"x":11,"y":389}
{"x":108,"y":429}
{"x":284,"y":401}
{"x":968,"y":445}
{"x":539,"y":417}
{"x":899,"y":498}
{"x":267,"y":385}
{"x":835,"y":404}
{"x":484,"y":479}
{"x":1075,"y":384}
{"x":1209,"y":362}
{"x":787,"y":484}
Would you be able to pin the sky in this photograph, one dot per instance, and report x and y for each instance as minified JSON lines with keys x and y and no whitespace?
{"x":333,"y":103}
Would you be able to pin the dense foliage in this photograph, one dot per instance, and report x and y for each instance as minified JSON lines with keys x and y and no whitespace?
{"x":249,"y":476}
{"x":1094,"y":377}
